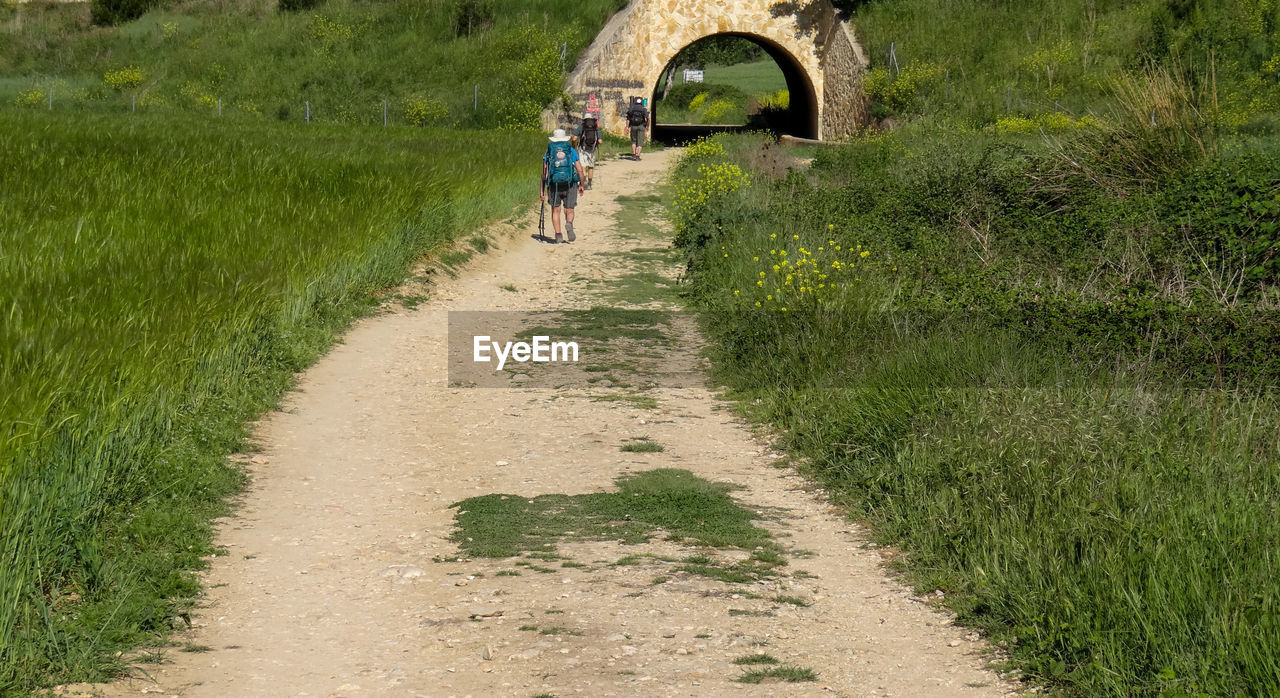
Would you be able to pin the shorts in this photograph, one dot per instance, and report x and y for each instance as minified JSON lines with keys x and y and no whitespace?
{"x":637,"y":136}
{"x":562,"y":195}
{"x":587,"y":157}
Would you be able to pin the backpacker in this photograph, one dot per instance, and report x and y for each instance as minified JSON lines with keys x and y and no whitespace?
{"x":590,"y":133}
{"x":636,"y":116}
{"x":560,"y":169}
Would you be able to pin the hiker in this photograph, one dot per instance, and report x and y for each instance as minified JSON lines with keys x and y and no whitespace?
{"x":638,"y":120}
{"x":588,"y":142}
{"x":562,"y":177}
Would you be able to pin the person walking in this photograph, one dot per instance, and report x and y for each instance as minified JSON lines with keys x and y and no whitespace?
{"x":562,"y":177}
{"x":638,"y":120}
{"x":588,"y":143}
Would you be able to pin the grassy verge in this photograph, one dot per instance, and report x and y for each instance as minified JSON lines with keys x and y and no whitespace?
{"x":163,"y":281}
{"x":951,"y":343}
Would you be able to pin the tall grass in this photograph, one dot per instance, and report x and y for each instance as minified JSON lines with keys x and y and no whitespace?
{"x":162,"y":282}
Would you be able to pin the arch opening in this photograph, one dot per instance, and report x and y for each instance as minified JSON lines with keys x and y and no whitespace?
{"x":799,"y":118}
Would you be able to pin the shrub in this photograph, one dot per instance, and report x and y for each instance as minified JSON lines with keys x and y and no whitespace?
{"x":472,"y":17}
{"x":421,"y":110}
{"x":297,"y":5}
{"x":33,"y":97}
{"x":778,"y":100}
{"x":123,"y":79}
{"x":113,"y":12}
{"x":718,"y":111}
{"x":902,"y":93}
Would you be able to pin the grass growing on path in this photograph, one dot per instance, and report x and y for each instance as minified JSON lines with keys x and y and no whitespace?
{"x":676,"y":502}
{"x":161,"y":286}
{"x":642,"y":445}
{"x":789,"y":674}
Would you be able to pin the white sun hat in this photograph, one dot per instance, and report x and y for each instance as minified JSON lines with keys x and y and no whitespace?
{"x":559,"y":136}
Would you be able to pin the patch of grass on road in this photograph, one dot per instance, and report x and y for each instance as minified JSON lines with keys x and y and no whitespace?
{"x":672,"y":502}
{"x":758,"y":658}
{"x":790,"y":674}
{"x":642,"y":445}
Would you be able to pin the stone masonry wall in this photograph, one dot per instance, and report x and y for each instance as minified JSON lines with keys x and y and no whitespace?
{"x":844,"y":108}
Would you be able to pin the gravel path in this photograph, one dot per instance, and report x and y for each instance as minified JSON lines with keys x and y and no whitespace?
{"x":336,"y":583}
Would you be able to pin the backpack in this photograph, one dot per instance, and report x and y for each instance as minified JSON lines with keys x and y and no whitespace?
{"x":590,"y":133}
{"x":636,"y":116}
{"x":560,"y":169}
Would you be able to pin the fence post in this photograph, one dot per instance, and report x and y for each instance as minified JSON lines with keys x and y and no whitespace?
{"x":384,"y":113}
{"x":133,"y":106}
{"x":219,"y":106}
{"x":51,"y":98}
{"x":475,"y":99}
{"x":308,"y":111}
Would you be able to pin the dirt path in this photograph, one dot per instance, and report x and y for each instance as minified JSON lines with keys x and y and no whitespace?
{"x":341,"y":580}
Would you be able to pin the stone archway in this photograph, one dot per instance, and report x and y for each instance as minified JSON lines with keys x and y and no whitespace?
{"x":816,"y":50}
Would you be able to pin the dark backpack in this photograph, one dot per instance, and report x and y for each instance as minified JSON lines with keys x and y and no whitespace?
{"x":560,"y":169}
{"x":636,"y":116}
{"x":590,"y":133}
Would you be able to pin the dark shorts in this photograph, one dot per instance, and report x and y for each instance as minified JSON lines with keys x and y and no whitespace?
{"x":562,"y":195}
{"x":637,"y":136}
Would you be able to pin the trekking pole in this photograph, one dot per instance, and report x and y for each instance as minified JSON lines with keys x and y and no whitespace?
{"x":542,"y":222}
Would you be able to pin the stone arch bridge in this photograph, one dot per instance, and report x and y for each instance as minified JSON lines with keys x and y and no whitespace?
{"x":816,"y":50}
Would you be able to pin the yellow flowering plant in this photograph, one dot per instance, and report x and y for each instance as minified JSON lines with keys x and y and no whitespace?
{"x":798,"y":275}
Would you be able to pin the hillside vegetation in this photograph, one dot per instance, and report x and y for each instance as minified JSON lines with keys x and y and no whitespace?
{"x":425,"y":58}
{"x":1030,"y":58}
{"x":1035,"y":350}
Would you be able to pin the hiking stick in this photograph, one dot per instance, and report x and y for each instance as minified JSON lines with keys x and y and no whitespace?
{"x":542,"y":222}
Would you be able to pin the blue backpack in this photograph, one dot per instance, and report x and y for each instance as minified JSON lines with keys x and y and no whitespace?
{"x":559,"y":160}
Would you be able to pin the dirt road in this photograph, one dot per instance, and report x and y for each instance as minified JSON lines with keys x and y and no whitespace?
{"x":340,"y":578}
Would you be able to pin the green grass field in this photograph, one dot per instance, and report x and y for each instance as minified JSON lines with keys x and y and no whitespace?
{"x":163,"y":281}
{"x":759,"y":77}
{"x":345,"y":57}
